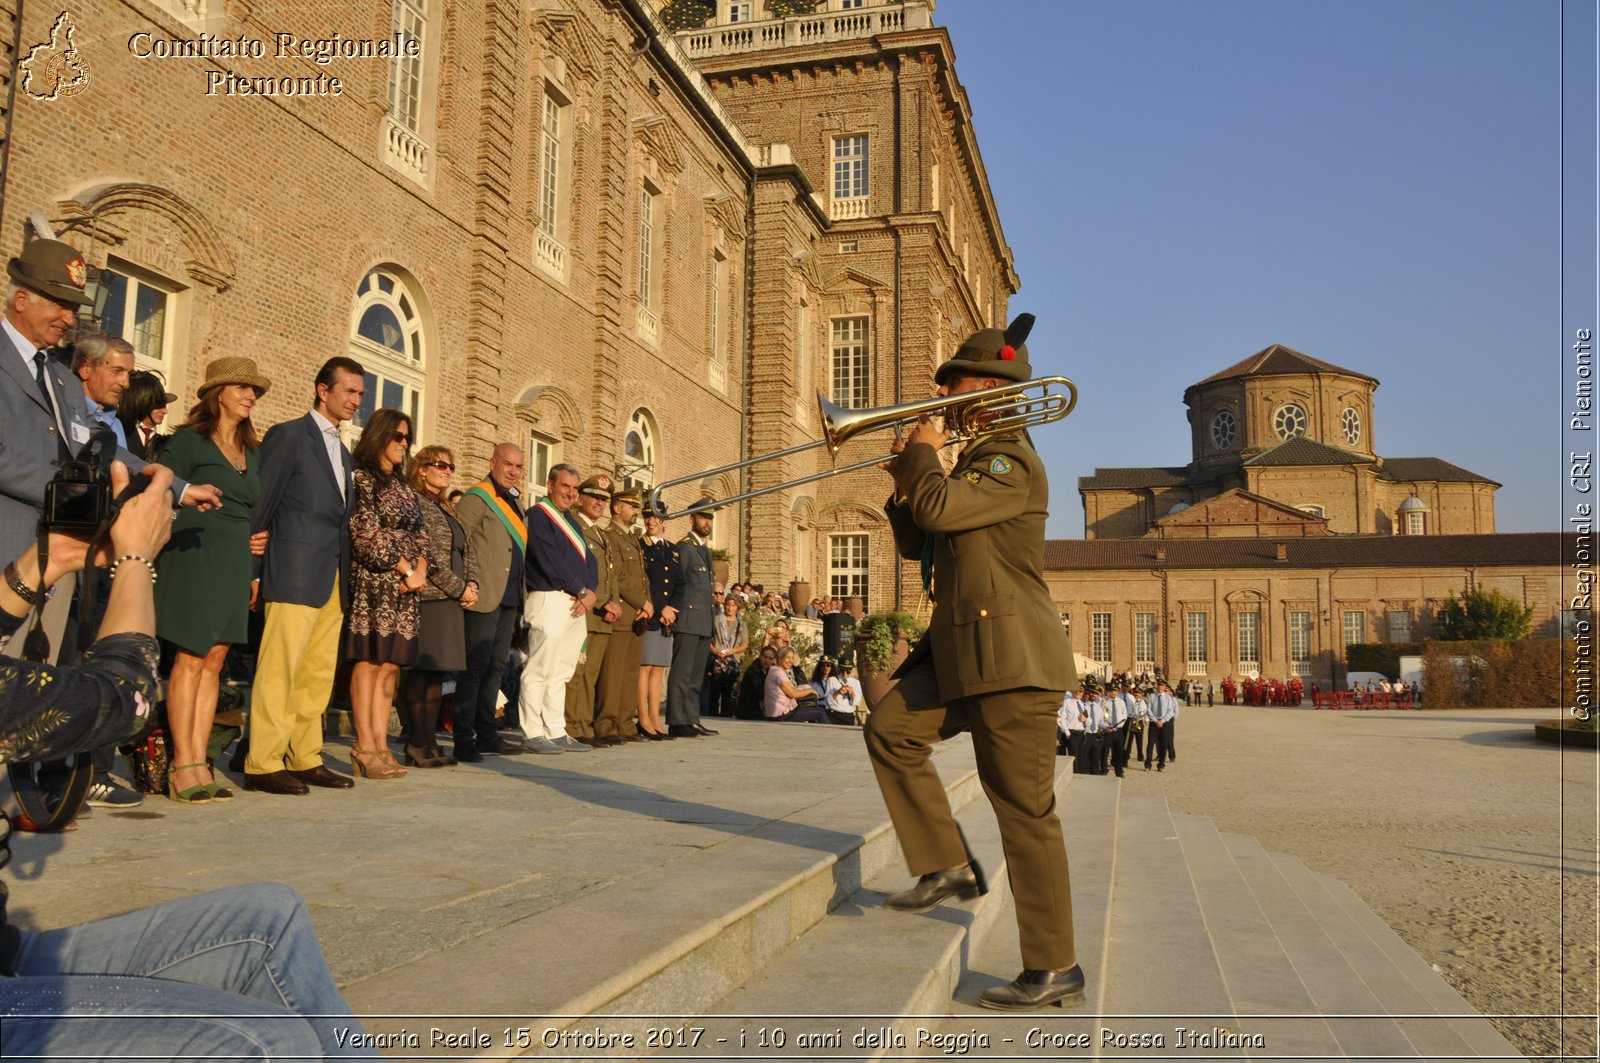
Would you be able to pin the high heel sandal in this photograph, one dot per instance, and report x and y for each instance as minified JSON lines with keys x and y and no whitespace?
{"x":218,"y":791}
{"x":441,"y":759}
{"x":374,"y":764}
{"x":389,"y":756}
{"x":198,"y":794}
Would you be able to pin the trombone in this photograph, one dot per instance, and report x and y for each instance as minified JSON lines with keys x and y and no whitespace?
{"x":970,"y":415}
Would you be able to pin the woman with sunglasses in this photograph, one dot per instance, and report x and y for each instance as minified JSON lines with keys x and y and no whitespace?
{"x":389,"y":567}
{"x":451,"y":589}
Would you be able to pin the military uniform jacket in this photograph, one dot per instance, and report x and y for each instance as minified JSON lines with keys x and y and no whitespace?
{"x":994,"y":626}
{"x":627,"y":563}
{"x":606,"y":590}
{"x":692,"y":595}
{"x":663,"y":573}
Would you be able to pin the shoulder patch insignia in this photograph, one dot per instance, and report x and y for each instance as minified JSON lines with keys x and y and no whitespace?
{"x":1000,"y":465}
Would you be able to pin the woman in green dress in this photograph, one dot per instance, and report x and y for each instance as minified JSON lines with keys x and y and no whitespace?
{"x":203,"y":593}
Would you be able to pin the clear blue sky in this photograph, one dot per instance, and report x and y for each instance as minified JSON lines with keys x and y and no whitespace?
{"x":1372,"y":182}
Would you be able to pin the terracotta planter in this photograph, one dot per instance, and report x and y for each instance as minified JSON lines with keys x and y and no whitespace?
{"x":799,"y":596}
{"x":720,"y":571}
{"x":875,"y":684}
{"x":855,"y":607}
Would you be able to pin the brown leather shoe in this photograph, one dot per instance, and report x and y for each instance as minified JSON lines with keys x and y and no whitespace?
{"x":274,"y":782}
{"x":965,"y":882}
{"x":1035,"y":989}
{"x":321,"y":776}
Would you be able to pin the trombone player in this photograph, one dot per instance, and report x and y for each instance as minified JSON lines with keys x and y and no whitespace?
{"x":995,"y":661}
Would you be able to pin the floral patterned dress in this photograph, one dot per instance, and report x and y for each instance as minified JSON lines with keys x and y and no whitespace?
{"x":385,"y":527}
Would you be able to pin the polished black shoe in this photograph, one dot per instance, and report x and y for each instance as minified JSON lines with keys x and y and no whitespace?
{"x":321,"y":776}
{"x":466,"y":754}
{"x":507,"y":748}
{"x":965,"y":882}
{"x":275,"y":782}
{"x":1036,"y":989}
{"x":702,"y":729}
{"x":682,"y":730}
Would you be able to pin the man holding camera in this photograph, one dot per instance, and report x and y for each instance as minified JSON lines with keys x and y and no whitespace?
{"x":44,"y":421}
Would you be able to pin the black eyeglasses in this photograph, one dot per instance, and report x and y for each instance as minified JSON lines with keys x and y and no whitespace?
{"x":440,"y":465}
{"x":401,"y":437}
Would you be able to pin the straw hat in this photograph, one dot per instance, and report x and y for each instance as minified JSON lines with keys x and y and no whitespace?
{"x":234,"y":370}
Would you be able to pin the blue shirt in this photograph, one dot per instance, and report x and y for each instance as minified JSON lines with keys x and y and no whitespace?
{"x":554,"y":563}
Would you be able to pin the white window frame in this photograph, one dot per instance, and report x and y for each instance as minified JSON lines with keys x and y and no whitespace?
{"x":717,"y":272}
{"x":851,"y":175}
{"x":1249,"y":625}
{"x":1196,"y":643}
{"x":544,"y":454}
{"x":1146,"y":630}
{"x":410,"y":20}
{"x":740,"y":11}
{"x":848,"y":563}
{"x":1100,"y":637}
{"x":128,"y":326}
{"x":385,"y":367}
{"x":849,"y":382}
{"x":639,"y":449}
{"x":1353,"y":627}
{"x":1300,"y":641}
{"x":1416,"y":523}
{"x":649,"y":275}
{"x":1397,"y":623}
{"x":550,"y":232}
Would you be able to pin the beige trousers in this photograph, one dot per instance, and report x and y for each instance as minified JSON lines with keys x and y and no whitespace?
{"x":294,"y":677}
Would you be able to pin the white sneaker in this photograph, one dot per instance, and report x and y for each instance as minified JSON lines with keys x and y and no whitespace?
{"x":543,"y":745}
{"x":572,"y":745}
{"x":112,"y":795}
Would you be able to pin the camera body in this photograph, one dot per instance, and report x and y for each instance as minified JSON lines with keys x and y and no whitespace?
{"x":79,"y":498}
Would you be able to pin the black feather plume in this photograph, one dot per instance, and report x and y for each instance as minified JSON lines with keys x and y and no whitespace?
{"x":1017,"y":331}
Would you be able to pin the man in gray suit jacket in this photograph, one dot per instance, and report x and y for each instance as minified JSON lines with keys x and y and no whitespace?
{"x":43,"y":417}
{"x":692,"y":631}
{"x":305,"y":509}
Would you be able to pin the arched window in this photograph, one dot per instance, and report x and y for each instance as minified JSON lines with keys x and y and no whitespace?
{"x":637,"y":467}
{"x":387,"y":337}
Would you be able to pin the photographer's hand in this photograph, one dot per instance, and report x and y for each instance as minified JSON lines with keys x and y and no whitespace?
{"x":142,"y":528}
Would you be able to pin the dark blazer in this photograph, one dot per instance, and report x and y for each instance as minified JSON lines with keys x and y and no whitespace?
{"x":308,"y":519}
{"x":692,"y":596}
{"x":994,"y":626}
{"x":663,"y":573}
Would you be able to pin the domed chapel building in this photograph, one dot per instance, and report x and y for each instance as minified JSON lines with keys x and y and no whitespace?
{"x":1286,"y":538}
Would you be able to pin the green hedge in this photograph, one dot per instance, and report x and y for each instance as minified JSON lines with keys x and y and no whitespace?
{"x":1524,"y":674}
{"x":1381,"y":657}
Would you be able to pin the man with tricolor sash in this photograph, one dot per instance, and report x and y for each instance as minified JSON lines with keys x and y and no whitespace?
{"x":491,"y":513}
{"x":561,"y":575}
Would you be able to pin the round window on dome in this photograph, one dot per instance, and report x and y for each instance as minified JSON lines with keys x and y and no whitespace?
{"x":1290,"y":421}
{"x":1223,"y":429}
{"x":1352,"y":425}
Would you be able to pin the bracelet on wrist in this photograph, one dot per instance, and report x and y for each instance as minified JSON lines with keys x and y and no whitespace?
{"x":19,"y":588}
{"x":145,"y":561}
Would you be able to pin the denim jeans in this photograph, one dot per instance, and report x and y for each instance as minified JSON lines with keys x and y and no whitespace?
{"x":234,"y":973}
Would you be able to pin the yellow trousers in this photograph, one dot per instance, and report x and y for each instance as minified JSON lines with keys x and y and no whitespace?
{"x":294,"y":677}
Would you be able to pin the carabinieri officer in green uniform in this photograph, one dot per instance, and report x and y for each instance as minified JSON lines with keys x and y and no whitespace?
{"x":995,"y":661}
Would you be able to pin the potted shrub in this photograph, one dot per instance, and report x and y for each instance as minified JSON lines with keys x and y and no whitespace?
{"x":882,"y":641}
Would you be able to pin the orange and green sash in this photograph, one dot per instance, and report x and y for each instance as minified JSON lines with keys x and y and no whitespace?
{"x":515,"y":526}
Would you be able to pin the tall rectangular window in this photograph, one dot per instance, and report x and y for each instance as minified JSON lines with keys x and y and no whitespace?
{"x":1399,"y":625}
{"x":550,"y":165}
{"x":848,"y":376}
{"x":1250,"y":640}
{"x":1100,"y":636}
{"x":1355,"y":627}
{"x":847,"y":566}
{"x":647,"y":242}
{"x":715,"y":271}
{"x":1144,"y":641}
{"x":1300,"y":641}
{"x":850,"y":167}
{"x":405,"y":72}
{"x":739,"y":11}
{"x":1195,"y":643}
